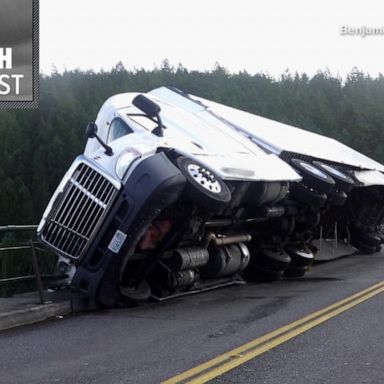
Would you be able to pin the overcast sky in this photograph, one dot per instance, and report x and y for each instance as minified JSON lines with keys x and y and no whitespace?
{"x":269,"y":36}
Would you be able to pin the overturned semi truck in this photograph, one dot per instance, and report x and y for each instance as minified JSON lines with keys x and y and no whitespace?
{"x":338,"y":206}
{"x":175,"y":194}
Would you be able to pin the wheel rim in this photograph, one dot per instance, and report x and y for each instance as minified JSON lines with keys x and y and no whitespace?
{"x":335,"y":172}
{"x":205,"y":178}
{"x":301,"y":253}
{"x":314,"y":170}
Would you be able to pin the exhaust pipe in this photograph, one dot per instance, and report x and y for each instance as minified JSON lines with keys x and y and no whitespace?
{"x":220,"y":241}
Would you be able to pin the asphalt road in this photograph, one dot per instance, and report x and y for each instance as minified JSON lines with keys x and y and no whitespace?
{"x":153,"y":342}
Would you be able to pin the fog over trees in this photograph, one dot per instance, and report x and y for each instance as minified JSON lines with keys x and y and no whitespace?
{"x":36,"y":147}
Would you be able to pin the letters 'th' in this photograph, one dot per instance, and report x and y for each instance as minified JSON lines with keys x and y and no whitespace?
{"x":5,"y":58}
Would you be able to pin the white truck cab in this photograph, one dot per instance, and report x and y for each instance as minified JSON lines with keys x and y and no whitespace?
{"x":163,"y":202}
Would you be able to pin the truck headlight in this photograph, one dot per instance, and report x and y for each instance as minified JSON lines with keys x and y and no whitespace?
{"x":124,"y":162}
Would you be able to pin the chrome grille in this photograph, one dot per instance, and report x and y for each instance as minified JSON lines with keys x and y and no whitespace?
{"x":78,"y":211}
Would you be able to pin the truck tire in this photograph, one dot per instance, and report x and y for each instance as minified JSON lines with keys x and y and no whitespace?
{"x":314,"y":177}
{"x":203,"y":187}
{"x":343,"y":181}
{"x":301,"y":256}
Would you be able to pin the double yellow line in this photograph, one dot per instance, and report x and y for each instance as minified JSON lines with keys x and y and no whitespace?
{"x":232,"y":359}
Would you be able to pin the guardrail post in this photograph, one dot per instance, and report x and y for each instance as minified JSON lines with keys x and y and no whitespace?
{"x":36,"y":270}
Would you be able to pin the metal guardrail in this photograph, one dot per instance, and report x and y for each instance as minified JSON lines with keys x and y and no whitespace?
{"x":30,"y":245}
{"x":9,"y":228}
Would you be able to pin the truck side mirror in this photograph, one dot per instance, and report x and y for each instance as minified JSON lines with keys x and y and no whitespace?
{"x":91,"y":130}
{"x":146,"y":105}
{"x":151,"y":109}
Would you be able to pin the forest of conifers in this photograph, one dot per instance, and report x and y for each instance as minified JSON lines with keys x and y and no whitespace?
{"x":36,"y":147}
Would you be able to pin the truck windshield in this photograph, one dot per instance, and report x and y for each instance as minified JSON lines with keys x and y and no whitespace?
{"x":118,"y":129}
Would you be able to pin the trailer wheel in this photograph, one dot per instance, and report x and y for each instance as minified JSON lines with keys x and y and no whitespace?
{"x":342,"y":180}
{"x":313,"y":176}
{"x":301,"y":256}
{"x":204,"y":187}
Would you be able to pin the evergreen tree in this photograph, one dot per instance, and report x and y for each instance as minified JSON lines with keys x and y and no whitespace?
{"x":36,"y":147}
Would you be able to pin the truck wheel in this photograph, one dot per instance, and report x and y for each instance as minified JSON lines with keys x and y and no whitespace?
{"x":204,"y":187}
{"x":343,"y":181}
{"x":314,"y":177}
{"x":303,"y":194}
{"x":301,"y":256}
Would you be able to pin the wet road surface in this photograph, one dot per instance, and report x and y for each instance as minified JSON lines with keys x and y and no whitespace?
{"x":154,"y":342}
